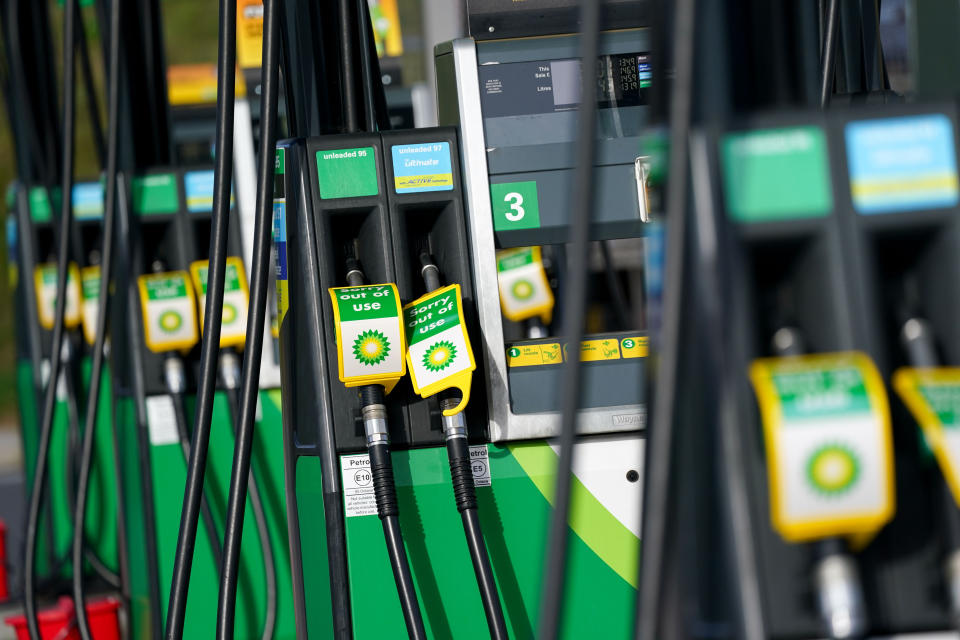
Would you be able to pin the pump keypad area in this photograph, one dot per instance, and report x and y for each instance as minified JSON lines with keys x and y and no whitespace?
{"x":613,"y":374}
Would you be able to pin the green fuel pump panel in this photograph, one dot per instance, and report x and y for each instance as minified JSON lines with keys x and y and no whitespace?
{"x":32,"y":346}
{"x":171,"y":211}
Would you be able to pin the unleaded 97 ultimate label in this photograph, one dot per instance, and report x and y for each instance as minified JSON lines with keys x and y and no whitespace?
{"x":422,"y":167}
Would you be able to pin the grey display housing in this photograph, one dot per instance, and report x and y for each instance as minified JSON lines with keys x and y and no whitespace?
{"x":458,"y":65}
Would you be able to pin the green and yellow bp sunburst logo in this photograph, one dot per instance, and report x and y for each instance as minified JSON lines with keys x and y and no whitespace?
{"x":522,"y":290}
{"x":439,"y":356}
{"x":833,"y":469}
{"x":371,"y":347}
{"x":170,"y":321}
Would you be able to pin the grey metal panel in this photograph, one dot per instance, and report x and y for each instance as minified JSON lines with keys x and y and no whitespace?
{"x":504,"y":424}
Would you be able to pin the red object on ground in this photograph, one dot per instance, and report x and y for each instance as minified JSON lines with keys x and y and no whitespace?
{"x":4,"y":591}
{"x":59,"y":623}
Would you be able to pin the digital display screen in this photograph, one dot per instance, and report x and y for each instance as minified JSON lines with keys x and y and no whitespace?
{"x":526,"y":88}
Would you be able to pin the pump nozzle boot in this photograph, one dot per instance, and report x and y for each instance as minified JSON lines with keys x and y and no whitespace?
{"x":951,"y":571}
{"x":230,"y":369}
{"x":174,"y":375}
{"x":840,"y":596}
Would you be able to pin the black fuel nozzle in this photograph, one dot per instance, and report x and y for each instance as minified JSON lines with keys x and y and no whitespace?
{"x":836,"y":578}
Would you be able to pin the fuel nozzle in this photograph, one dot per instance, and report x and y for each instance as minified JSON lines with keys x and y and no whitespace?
{"x":836,"y":579}
{"x":230,"y":369}
{"x":838,"y":591}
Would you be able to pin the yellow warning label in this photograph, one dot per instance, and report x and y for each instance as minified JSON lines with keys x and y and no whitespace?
{"x":634,"y":347}
{"x":551,"y":353}
{"x":529,"y":355}
{"x":593,"y":350}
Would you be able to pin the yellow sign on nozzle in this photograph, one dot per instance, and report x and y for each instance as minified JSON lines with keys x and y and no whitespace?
{"x":826,"y":425}
{"x":524,"y":289}
{"x":236,"y":298}
{"x":933,"y":398}
{"x":45,"y":284}
{"x":369,"y":330}
{"x":169,"y":315}
{"x":90,"y":284}
{"x":438,"y":351}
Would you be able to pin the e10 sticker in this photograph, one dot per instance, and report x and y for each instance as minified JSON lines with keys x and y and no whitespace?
{"x":933,"y":398}
{"x":45,"y":283}
{"x":370,"y":340}
{"x":90,"y":281}
{"x":826,"y":425}
{"x":524,"y":290}
{"x":236,"y":296}
{"x":169,"y":315}
{"x":439,"y":353}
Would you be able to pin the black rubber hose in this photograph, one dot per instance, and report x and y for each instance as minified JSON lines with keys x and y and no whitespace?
{"x":385,"y":491}
{"x":263,"y":532}
{"x":348,"y":81}
{"x":256,"y":319}
{"x":90,"y":88}
{"x":206,"y":512}
{"x":575,"y":296}
{"x":464,"y":492}
{"x":73,"y":419}
{"x":63,"y":261}
{"x":100,"y":334}
{"x":127,"y":255}
{"x":461,"y":472}
{"x":828,"y":53}
{"x":213,"y":312}
{"x":381,"y":469}
{"x":366,"y":65}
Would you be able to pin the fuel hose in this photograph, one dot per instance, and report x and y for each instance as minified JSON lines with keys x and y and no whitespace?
{"x":213,"y":313}
{"x":240,"y":473}
{"x":464,"y":491}
{"x":63,"y":260}
{"x":374,"y":413}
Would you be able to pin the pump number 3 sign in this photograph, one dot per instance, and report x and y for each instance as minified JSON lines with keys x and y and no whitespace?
{"x":233,"y":324}
{"x":439,"y":354}
{"x":169,"y":316}
{"x":370,"y":340}
{"x":826,"y":424}
{"x":933,"y":397}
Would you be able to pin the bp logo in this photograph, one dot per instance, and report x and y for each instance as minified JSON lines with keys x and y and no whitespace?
{"x":522,"y":290}
{"x":170,"y":321}
{"x":832,"y":469}
{"x":371,"y":347}
{"x":439,"y":356}
{"x":229,"y":313}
